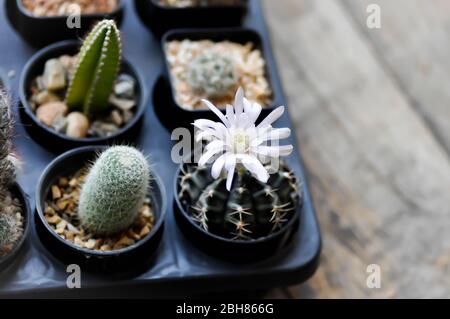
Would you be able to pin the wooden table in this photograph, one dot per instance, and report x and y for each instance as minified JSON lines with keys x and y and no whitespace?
{"x":372,"y":113}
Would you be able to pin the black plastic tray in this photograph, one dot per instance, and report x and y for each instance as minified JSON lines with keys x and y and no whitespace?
{"x":179,"y":268}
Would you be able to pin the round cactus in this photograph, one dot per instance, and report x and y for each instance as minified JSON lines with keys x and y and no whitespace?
{"x":212,"y":74}
{"x":114,"y":191}
{"x":251,"y":209}
{"x":10,"y":230}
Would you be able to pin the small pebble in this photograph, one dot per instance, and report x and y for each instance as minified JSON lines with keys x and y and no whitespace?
{"x":49,"y":112}
{"x":77,"y":125}
{"x":54,"y":76}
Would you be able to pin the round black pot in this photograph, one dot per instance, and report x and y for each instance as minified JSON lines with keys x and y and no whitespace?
{"x":41,"y":31}
{"x":172,"y":114}
{"x":124,"y":260}
{"x":231,"y":250}
{"x":18,"y":193}
{"x":160,"y":19}
{"x":59,"y":142}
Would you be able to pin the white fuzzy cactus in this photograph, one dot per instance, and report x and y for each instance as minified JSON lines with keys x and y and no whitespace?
{"x":114,"y":191}
{"x":10,"y":230}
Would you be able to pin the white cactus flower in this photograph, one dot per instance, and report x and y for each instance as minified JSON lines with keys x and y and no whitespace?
{"x":237,"y":140}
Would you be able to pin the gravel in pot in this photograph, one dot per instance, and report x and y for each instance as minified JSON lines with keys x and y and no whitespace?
{"x":33,"y":19}
{"x":212,"y":64}
{"x":161,"y":16}
{"x":14,"y":208}
{"x":101,"y":208}
{"x":69,"y":102}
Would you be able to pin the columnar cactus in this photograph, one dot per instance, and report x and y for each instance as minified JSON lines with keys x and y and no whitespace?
{"x":212,"y":74}
{"x":98,"y":65}
{"x":114,"y":191}
{"x":250,"y":210}
{"x":7,"y":160}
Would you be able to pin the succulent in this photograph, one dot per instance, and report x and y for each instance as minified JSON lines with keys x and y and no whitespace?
{"x":212,"y":74}
{"x":10,"y":230}
{"x":7,"y":160}
{"x":114,"y":191}
{"x":251,"y":210}
{"x":98,"y":65}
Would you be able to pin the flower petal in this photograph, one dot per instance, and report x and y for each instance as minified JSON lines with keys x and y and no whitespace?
{"x":255,"y":167}
{"x":202,"y":124}
{"x":218,"y":166}
{"x":208,"y":155}
{"x":274,"y":151}
{"x":275,"y":134}
{"x":230,"y":166}
{"x":239,"y":101}
{"x":272,"y":117}
{"x":217,"y":112}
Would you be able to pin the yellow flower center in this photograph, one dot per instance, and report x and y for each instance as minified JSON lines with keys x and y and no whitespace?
{"x":241,"y":142}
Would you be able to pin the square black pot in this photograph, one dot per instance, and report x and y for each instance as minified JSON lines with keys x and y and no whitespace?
{"x":174,"y":115}
{"x":161,"y":18}
{"x":41,"y":31}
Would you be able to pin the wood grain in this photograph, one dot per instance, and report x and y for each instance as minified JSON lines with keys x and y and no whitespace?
{"x":378,"y":163}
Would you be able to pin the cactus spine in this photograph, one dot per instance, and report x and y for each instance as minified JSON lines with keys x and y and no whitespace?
{"x":212,"y":74}
{"x":97,"y":69}
{"x":10,"y":226}
{"x":114,"y":191}
{"x":251,"y":209}
{"x":7,"y":160}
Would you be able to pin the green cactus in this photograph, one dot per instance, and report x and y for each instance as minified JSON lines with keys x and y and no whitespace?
{"x":97,"y":69}
{"x":114,"y":191}
{"x":212,"y":74}
{"x":251,"y":209}
{"x":7,"y":160}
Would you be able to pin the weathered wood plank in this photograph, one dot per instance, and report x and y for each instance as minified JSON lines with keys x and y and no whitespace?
{"x":379,"y":178}
{"x":413,"y":44}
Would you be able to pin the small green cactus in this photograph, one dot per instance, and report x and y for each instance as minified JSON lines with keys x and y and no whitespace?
{"x":212,"y":74}
{"x":114,"y":191}
{"x":7,"y":160}
{"x":251,"y":209}
{"x":97,"y":69}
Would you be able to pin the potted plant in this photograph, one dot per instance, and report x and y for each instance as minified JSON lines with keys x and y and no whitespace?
{"x":212,"y":64}
{"x":74,"y":97}
{"x":245,"y":205}
{"x":33,"y":19}
{"x":14,"y":208}
{"x":101,"y":208}
{"x":163,"y":15}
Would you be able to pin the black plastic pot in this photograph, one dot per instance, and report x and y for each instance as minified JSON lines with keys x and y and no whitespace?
{"x":170,"y":112}
{"x":18,"y":193}
{"x":104,"y":262}
{"x":235,"y":251}
{"x":59,"y":142}
{"x":40,"y":31}
{"x":159,"y":18}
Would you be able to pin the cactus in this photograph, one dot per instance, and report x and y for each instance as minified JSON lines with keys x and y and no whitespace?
{"x":212,"y":74}
{"x":10,"y":230}
{"x":98,"y":65}
{"x":251,"y":210}
{"x":7,"y":160}
{"x":114,"y":191}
